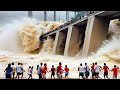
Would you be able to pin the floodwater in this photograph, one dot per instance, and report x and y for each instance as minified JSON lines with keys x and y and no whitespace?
{"x":19,"y":42}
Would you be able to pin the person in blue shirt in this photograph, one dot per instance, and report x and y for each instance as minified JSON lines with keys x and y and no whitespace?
{"x":8,"y":71}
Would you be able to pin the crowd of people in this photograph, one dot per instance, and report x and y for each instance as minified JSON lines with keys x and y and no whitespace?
{"x":12,"y":72}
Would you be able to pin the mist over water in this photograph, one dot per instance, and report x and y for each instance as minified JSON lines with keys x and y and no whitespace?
{"x":13,"y":47}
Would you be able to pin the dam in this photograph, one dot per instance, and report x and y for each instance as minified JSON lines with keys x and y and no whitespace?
{"x":60,"y":42}
{"x":84,"y":35}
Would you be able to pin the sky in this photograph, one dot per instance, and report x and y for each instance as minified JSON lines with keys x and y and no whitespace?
{"x":8,"y":16}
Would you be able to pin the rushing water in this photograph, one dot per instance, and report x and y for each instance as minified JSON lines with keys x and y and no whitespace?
{"x":13,"y":44}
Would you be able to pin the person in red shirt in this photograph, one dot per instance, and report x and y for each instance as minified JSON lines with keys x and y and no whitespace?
{"x":115,"y":71}
{"x":105,"y":67}
{"x":59,"y":71}
{"x":93,"y":71}
{"x":66,"y":71}
{"x":44,"y":70}
{"x":53,"y":72}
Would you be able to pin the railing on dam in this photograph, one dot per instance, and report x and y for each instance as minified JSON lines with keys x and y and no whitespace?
{"x":84,"y":35}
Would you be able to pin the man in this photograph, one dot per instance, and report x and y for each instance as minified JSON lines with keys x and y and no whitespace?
{"x":18,"y":70}
{"x":105,"y":67}
{"x":87,"y":69}
{"x":52,"y":72}
{"x":97,"y":70}
{"x":44,"y":70}
{"x":59,"y":71}
{"x":66,"y":69}
{"x":93,"y":71}
{"x":115,"y":71}
{"x":81,"y":70}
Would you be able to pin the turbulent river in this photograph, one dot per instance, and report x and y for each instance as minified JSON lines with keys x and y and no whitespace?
{"x":19,"y":42}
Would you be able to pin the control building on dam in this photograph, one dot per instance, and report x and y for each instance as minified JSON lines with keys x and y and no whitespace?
{"x":84,"y":35}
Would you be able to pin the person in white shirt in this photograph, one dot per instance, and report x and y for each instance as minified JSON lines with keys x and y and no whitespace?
{"x":39,"y":70}
{"x":18,"y":70}
{"x":30,"y":72}
{"x":81,"y":70}
{"x":97,"y":70}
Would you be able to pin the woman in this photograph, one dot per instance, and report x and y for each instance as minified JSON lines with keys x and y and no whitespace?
{"x":8,"y":71}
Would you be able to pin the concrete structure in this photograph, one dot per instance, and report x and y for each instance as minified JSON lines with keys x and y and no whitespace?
{"x":55,"y":43}
{"x":67,"y":15}
{"x":60,"y":41}
{"x":54,"y":15}
{"x":85,"y":35}
{"x":96,"y":33}
{"x":74,"y":40}
{"x":45,"y":16}
{"x":30,"y":14}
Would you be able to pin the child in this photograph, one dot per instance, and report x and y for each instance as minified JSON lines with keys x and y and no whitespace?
{"x":53,"y":72}
{"x":115,"y":71}
{"x":66,"y":71}
{"x":30,"y":72}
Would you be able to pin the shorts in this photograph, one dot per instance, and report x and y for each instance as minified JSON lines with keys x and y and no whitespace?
{"x":59,"y":75}
{"x":105,"y":74}
{"x":66,"y":73}
{"x":18,"y":73}
{"x":8,"y":76}
{"x":40,"y":75}
{"x":21,"y":73}
{"x":52,"y":74}
{"x":87,"y":73}
{"x":97,"y":74}
{"x":81,"y":74}
{"x":30,"y":75}
{"x":44,"y":76}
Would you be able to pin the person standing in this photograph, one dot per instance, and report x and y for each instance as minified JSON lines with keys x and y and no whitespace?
{"x":81,"y":70}
{"x":97,"y":70}
{"x":66,"y":71}
{"x":59,"y":71}
{"x":8,"y":71}
{"x":18,"y":70}
{"x":115,"y":71}
{"x":40,"y":71}
{"x":30,"y":72}
{"x":22,"y":70}
{"x":52,"y":72}
{"x":87,"y":69}
{"x":105,"y":67}
{"x":13,"y":70}
{"x":44,"y":70}
{"x":93,"y":71}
